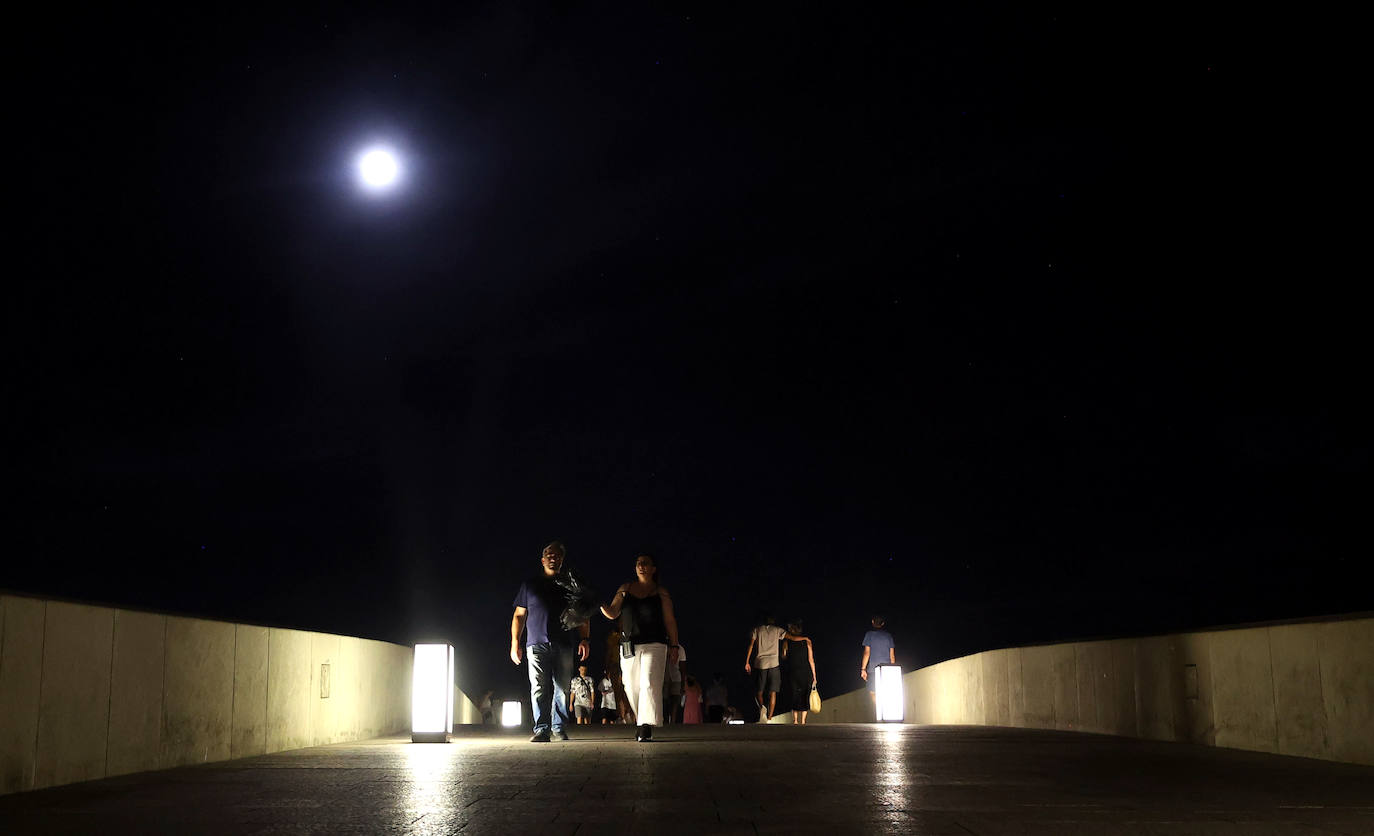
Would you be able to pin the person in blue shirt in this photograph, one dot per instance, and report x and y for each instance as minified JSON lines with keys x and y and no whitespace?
{"x":551,"y":649}
{"x":878,"y":650}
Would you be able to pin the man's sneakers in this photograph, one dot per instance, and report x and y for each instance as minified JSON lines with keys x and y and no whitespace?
{"x":545,"y":737}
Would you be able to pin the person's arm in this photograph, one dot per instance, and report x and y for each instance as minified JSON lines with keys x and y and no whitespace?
{"x":749,"y":654}
{"x":612,"y":610}
{"x":517,"y":626}
{"x":892,"y":655}
{"x":811,"y":657}
{"x":863,"y":665}
{"x":669,"y":622}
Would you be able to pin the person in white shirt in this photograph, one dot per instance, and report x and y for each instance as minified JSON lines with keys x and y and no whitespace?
{"x":765,"y":638}
{"x":609,"y":713}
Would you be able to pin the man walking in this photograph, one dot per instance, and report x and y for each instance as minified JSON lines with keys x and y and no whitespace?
{"x":765,"y":637}
{"x":878,"y":650}
{"x":609,"y":714}
{"x":582,"y":691}
{"x":551,"y":649}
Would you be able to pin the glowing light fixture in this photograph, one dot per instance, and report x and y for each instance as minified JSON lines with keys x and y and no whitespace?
{"x":891,"y":696}
{"x":431,"y":694}
{"x":510,"y":713}
{"x":736,"y":722}
{"x":378,"y":169}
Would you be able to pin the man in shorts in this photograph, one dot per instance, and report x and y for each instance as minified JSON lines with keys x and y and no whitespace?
{"x":765,"y":638}
{"x":581,"y":693}
{"x":878,"y":650}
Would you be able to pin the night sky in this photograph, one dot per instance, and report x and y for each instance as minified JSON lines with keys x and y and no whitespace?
{"x":991,"y":321}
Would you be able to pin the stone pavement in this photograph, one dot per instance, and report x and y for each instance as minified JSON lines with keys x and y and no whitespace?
{"x":714,"y":779}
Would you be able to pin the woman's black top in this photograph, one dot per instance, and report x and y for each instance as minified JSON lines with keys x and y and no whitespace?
{"x":641,"y":619}
{"x":799,"y":665}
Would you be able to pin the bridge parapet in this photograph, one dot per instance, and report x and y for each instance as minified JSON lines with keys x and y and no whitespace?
{"x":90,"y":692}
{"x":1304,"y":689}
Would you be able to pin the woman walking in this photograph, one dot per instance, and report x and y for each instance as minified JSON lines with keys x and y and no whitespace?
{"x":691,"y":701}
{"x":801,"y":670}
{"x":649,"y":645}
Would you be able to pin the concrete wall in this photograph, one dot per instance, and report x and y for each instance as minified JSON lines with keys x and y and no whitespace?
{"x":1290,"y":689}
{"x":88,"y":692}
{"x":465,"y":712}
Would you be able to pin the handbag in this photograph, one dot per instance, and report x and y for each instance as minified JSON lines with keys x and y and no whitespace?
{"x":815,"y":699}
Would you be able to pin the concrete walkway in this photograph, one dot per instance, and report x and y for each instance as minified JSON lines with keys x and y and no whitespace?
{"x":713,"y":779}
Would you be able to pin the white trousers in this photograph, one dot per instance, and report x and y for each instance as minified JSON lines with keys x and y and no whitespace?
{"x":643,"y":676}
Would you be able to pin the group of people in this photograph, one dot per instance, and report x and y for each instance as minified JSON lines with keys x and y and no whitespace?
{"x":773,"y":649}
{"x":684,"y":699}
{"x":653,"y":687}
{"x":647,"y":647}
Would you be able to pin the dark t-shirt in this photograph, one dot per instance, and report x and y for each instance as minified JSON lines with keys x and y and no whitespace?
{"x":543,"y":600}
{"x":879,"y":644}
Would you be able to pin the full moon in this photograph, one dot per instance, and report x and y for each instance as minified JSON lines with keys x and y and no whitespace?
{"x":378,"y":169}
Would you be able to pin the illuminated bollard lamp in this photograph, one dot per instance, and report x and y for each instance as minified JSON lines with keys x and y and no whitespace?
{"x":510,"y":713}
{"x":891,"y":697}
{"x":431,"y":694}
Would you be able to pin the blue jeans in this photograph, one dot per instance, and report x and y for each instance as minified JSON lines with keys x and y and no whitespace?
{"x":551,"y":669}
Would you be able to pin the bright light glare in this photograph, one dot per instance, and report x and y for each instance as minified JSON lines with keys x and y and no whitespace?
{"x":378,"y":168}
{"x":510,"y":713}
{"x":431,"y":696}
{"x":891,"y":699}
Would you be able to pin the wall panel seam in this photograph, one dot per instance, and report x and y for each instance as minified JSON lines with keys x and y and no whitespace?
{"x":233,"y":688}
{"x":109,"y":703}
{"x":267,"y":700}
{"x":1321,"y":695}
{"x":3,"y":610}
{"x":1077,"y":697}
{"x":1273,"y":686}
{"x":162,"y":709}
{"x":42,"y":667}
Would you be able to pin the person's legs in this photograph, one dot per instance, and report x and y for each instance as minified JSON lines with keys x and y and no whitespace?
{"x":622,"y":703}
{"x":629,"y":675}
{"x":564,"y":658}
{"x":803,"y":716}
{"x":539,"y":657}
{"x":772,"y":681}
